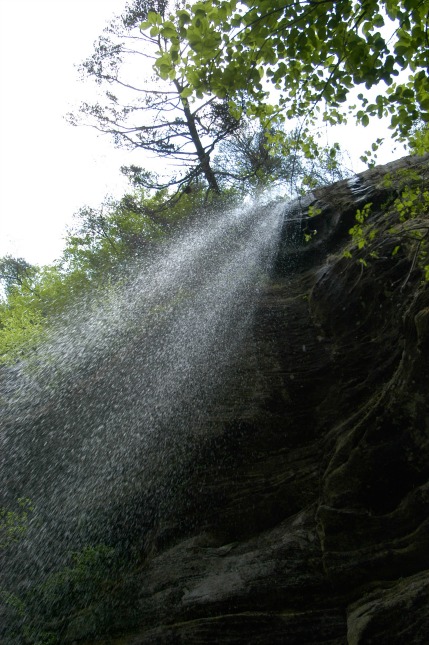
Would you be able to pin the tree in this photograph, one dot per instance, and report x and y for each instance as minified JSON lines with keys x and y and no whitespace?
{"x":249,"y":159}
{"x":102,"y":239}
{"x":315,"y":53}
{"x":155,"y":111}
{"x":15,"y":272}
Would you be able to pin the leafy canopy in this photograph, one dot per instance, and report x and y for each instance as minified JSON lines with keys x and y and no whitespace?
{"x":314,"y":52}
{"x":145,"y":106}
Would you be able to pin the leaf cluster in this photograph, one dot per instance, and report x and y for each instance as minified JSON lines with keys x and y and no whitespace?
{"x":404,"y":223}
{"x":314,"y":54}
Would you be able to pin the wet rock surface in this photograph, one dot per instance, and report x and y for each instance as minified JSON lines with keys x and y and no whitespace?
{"x":307,"y":513}
{"x":309,"y":520}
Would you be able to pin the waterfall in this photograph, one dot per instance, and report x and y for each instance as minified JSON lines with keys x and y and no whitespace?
{"x":110,"y":412}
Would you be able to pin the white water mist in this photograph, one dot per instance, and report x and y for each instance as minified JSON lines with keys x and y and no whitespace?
{"x":114,"y":406}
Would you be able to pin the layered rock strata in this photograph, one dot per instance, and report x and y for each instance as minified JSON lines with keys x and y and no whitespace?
{"x":309,"y":514}
{"x":305,"y":518}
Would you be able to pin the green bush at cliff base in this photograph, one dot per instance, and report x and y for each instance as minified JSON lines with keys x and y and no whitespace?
{"x":76,"y":601}
{"x":14,"y":524}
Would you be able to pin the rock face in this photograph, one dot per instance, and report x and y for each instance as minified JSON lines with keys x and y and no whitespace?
{"x":307,"y":516}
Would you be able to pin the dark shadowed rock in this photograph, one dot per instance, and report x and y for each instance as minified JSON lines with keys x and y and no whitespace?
{"x":308,"y":517}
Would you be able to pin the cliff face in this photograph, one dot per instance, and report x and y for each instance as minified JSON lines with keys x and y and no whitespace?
{"x":290,"y":506}
{"x":307,"y":519}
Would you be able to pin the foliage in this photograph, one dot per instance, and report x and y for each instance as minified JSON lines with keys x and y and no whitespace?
{"x":28,"y":310}
{"x":418,"y":140}
{"x":15,"y":272}
{"x":74,"y":599}
{"x":101,"y":242}
{"x":74,"y":588}
{"x":404,"y":222}
{"x":146,"y":108}
{"x":103,"y":238}
{"x":77,"y":597}
{"x":13,"y":527}
{"x":314,"y":53}
{"x":360,"y":234}
{"x":21,"y":327}
{"x":163,"y":115}
{"x":412,"y":209}
{"x":14,"y":524}
{"x":254,"y":159}
{"x":246,"y":161}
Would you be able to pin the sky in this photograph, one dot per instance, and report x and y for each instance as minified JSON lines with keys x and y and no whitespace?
{"x":48,"y":168}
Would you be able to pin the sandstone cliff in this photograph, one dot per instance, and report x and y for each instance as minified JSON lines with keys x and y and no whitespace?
{"x":309,"y":514}
{"x":305,"y":517}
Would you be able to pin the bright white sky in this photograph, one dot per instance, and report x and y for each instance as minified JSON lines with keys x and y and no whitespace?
{"x":48,"y":169}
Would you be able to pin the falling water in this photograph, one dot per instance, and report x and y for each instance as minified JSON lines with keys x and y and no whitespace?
{"x":107,"y":416}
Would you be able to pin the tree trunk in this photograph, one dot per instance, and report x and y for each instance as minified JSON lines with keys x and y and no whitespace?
{"x":203,"y":157}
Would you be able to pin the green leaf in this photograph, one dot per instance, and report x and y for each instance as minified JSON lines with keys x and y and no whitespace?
{"x":154,"y":18}
{"x":168,"y":31}
{"x":186,"y":93}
